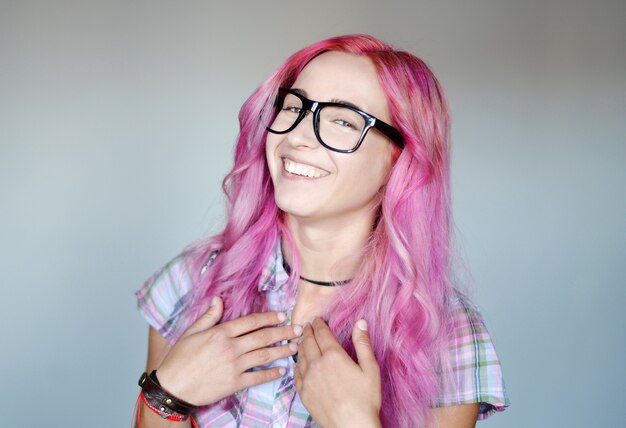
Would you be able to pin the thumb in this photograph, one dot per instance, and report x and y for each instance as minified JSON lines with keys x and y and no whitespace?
{"x":211,"y":317}
{"x":363,"y":346}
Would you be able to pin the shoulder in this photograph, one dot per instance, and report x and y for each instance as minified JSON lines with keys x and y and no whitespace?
{"x":476,"y":374}
{"x":466,"y":319}
{"x":165,"y":295}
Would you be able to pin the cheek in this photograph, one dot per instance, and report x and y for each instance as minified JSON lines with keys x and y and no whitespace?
{"x":270,"y":155}
{"x":375,"y":165}
{"x":362,"y":180}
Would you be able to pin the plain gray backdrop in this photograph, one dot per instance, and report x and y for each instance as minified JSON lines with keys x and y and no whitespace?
{"x":117,"y":122}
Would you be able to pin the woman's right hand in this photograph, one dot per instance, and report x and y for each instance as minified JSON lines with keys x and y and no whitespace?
{"x":211,"y":361}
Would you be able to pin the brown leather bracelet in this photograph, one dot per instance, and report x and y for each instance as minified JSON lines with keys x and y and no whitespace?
{"x":160,"y":398}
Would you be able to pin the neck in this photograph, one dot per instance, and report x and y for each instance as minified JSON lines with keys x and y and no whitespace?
{"x":329,"y":249}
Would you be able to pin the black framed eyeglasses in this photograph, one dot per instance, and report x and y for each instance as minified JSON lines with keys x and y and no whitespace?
{"x":338,"y":127}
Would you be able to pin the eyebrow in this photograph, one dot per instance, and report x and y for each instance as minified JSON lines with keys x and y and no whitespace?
{"x":346,"y":103}
{"x":334,"y":100}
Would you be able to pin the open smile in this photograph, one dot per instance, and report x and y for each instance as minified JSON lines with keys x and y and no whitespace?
{"x":293,"y":168}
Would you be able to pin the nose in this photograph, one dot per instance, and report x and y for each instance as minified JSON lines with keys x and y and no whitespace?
{"x":303,"y":135}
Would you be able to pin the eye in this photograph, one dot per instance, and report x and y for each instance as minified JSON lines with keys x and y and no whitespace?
{"x":292,"y":109}
{"x":341,"y":119}
{"x":344,"y":123}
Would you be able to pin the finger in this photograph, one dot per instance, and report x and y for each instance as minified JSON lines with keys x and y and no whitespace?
{"x":363,"y":347}
{"x":211,"y":317}
{"x":258,"y":377}
{"x":297,"y":378}
{"x":323,"y":336}
{"x":252,"y":322}
{"x":267,"y":336}
{"x":261,"y":357}
{"x":308,"y":348}
{"x":301,"y":364}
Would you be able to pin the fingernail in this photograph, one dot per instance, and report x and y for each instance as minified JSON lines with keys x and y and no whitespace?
{"x":293,"y":347}
{"x":297,"y":330}
{"x":281,"y":316}
{"x":362,"y":325}
{"x":213,"y":301}
{"x":282,"y":371}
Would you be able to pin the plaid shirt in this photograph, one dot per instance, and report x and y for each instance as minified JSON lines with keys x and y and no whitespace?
{"x":475,"y":365}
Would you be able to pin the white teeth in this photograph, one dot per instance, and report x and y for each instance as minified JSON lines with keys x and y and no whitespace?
{"x":303,"y":170}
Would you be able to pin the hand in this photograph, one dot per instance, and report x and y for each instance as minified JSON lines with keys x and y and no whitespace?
{"x":335,"y":390}
{"x":210,"y":360}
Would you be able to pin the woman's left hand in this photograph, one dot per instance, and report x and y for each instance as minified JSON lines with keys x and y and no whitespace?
{"x":335,"y":390}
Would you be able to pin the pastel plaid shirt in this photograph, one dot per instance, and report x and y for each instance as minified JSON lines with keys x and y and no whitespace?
{"x":476,"y":367}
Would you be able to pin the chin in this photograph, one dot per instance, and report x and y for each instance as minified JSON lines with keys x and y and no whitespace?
{"x":295,"y":206}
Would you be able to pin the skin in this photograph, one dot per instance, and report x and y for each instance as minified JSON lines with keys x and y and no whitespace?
{"x":330,"y":219}
{"x":210,"y":360}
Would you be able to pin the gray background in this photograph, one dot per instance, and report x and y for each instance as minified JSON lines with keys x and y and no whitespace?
{"x":116,"y":125}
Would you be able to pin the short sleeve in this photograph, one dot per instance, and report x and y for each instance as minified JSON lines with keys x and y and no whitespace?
{"x":475,"y":367}
{"x":161,"y":300}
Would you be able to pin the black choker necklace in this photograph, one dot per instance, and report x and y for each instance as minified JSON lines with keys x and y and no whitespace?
{"x":312,"y":281}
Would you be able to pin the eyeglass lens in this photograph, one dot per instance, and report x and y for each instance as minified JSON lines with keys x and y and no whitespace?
{"x":339,"y":127}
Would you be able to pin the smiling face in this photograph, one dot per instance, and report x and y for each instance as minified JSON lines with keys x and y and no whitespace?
{"x":313,"y":182}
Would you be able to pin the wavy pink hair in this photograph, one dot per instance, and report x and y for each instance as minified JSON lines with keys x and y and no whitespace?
{"x":403,"y":284}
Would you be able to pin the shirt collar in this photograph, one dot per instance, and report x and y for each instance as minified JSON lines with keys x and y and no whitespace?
{"x":273,"y":277}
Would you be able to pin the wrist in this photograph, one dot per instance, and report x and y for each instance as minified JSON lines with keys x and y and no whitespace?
{"x":161,"y":401}
{"x":171,"y":383}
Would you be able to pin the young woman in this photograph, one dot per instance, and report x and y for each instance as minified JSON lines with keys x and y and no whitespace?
{"x":327,"y":298}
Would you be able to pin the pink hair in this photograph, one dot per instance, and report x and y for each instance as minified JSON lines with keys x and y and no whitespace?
{"x":403,"y":284}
